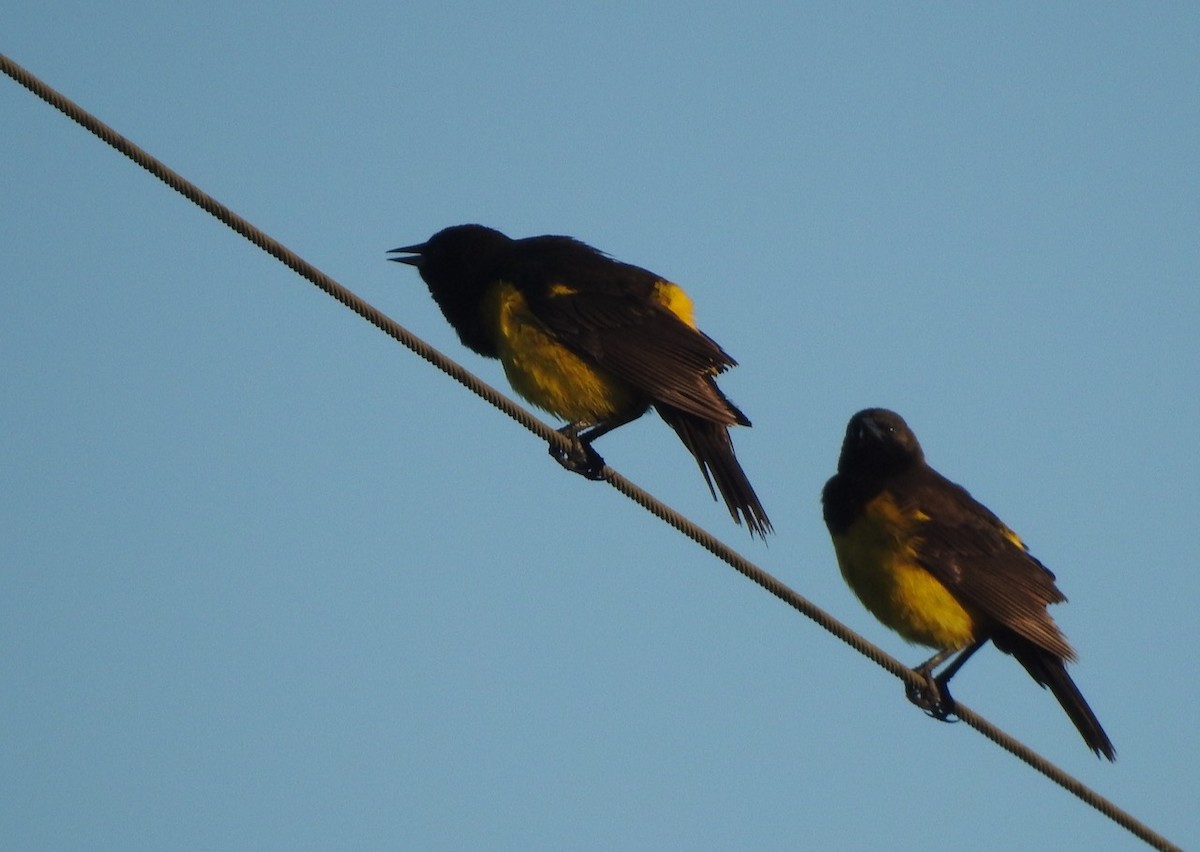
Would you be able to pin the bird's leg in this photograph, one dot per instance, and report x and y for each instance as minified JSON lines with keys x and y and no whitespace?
{"x":934,"y":695}
{"x":931,"y":696}
{"x":580,"y":458}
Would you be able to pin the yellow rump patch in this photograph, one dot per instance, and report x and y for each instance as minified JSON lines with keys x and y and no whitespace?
{"x":675,"y":300}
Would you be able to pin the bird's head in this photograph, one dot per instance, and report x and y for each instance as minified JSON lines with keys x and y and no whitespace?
{"x":455,"y":258}
{"x":878,"y":442}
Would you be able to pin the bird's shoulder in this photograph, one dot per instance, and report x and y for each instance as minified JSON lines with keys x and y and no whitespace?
{"x":554,"y":271}
{"x":613,"y":312}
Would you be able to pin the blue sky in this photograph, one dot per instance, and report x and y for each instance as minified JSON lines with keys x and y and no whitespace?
{"x":269,"y":581}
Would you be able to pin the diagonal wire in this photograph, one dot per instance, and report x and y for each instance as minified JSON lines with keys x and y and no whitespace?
{"x":643,"y":498}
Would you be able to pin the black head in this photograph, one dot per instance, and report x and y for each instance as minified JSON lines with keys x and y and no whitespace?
{"x":879,"y":442}
{"x":458,"y":265}
{"x":455,"y":255}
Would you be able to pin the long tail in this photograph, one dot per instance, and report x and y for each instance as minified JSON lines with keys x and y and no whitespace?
{"x":1049,"y":670}
{"x":709,"y":443}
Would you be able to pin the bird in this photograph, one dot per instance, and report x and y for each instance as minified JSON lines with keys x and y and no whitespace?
{"x":594,"y":341}
{"x":939,"y":568}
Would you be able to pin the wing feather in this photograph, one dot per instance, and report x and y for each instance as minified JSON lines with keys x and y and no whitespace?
{"x":607,"y":312}
{"x":984,"y":564}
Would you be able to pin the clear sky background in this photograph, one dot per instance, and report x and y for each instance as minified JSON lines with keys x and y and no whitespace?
{"x":269,"y":581}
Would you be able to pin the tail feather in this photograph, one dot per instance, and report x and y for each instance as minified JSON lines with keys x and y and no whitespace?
{"x":1050,"y":671}
{"x":709,"y":443}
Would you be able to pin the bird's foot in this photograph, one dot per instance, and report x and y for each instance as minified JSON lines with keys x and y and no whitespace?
{"x":932,"y":696}
{"x":580,"y":458}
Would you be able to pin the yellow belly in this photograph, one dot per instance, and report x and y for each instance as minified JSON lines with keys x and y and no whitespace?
{"x":878,"y":561}
{"x":547,"y":374}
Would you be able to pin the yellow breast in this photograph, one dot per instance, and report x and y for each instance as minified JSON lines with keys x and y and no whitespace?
{"x":878,"y":559}
{"x":545,"y":372}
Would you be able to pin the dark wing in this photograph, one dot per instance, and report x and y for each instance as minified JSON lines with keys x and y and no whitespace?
{"x":984,"y":564}
{"x":607,"y":312}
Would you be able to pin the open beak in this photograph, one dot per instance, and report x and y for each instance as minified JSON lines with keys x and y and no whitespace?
{"x":415,"y":260}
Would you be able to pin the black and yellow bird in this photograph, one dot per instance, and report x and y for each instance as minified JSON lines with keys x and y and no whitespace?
{"x":940,"y":569}
{"x":593,"y":341}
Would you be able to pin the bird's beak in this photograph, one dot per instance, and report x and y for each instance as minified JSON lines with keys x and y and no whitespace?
{"x":870,"y":426}
{"x":415,"y":260}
